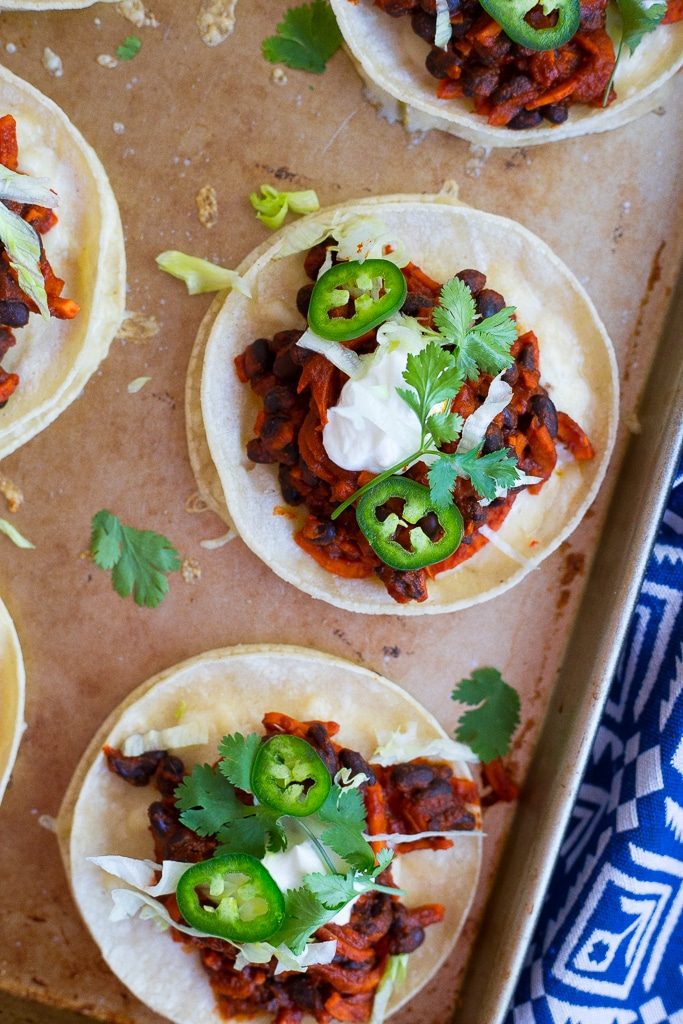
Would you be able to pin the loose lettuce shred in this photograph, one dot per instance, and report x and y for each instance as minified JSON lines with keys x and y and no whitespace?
{"x":345,"y":359}
{"x":23,"y":188}
{"x":272,"y":206}
{"x":22,"y":244}
{"x":200,"y":275}
{"x":358,"y":236}
{"x":174,"y":738}
{"x":442,"y":34}
{"x":13,"y":534}
{"x":394,"y":976}
{"x":404,"y":745}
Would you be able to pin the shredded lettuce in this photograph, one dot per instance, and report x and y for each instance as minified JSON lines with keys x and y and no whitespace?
{"x":176,"y":736}
{"x":396,"y":838}
{"x":345,"y":359}
{"x":404,"y":745}
{"x":359,"y":237}
{"x":13,"y":534}
{"x":394,"y":976}
{"x":128,"y":902}
{"x":442,"y":34}
{"x":262,"y":952}
{"x":273,"y":205}
{"x":22,"y":244}
{"x":139,"y":872}
{"x":138,"y":384}
{"x":476,"y":425}
{"x":347,"y":780}
{"x":200,"y":275}
{"x":23,"y":188}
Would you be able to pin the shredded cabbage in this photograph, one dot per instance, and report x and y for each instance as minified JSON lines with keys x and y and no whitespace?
{"x":273,"y":205}
{"x":345,"y":359}
{"x":138,"y":384}
{"x":176,"y":736}
{"x":442,"y":33}
{"x":394,"y":976}
{"x":347,"y":780}
{"x":22,"y":244}
{"x":404,"y":745}
{"x":200,"y":275}
{"x":262,"y":952}
{"x":476,"y":425}
{"x":139,"y":872}
{"x":359,"y":237}
{"x":396,"y":838}
{"x":502,"y":545}
{"x":13,"y":534}
{"x":23,"y":188}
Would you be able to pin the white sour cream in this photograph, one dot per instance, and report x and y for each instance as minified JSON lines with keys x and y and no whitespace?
{"x":371,"y":427}
{"x":289,"y":868}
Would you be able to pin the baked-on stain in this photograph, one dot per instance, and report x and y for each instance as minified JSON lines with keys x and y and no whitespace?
{"x":282,"y":173}
{"x":653,"y":277}
{"x":391,"y":652}
{"x":574,"y":565}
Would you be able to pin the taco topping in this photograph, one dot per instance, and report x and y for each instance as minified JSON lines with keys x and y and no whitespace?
{"x":433,"y":468}
{"x":264,"y":893}
{"x":27,"y":282}
{"x":522,"y":62}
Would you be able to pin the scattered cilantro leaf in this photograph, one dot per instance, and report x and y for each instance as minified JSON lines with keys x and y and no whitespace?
{"x":252,"y":830}
{"x":129,"y":48}
{"x":489,"y":727}
{"x":487,"y":472}
{"x":455,"y":312}
{"x":477,"y":346}
{"x":206,"y":800}
{"x":139,"y":560}
{"x":444,"y":426}
{"x":335,"y":891}
{"x":238,"y":753}
{"x":304,"y":914}
{"x":305,"y":39}
{"x":442,"y":475}
{"x":433,"y":375}
{"x":638,"y":17}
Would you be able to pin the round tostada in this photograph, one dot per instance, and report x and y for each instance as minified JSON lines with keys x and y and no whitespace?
{"x":262,"y":772}
{"x":498,"y":453}
{"x":61,"y":232}
{"x":48,"y":5}
{"x":12,"y":684}
{"x":509,"y":72}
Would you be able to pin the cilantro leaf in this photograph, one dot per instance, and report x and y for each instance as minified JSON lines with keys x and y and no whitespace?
{"x":306,"y":38}
{"x":433,"y":375}
{"x":139,"y":559}
{"x":304,"y":914}
{"x":348,"y":843}
{"x":444,"y":426}
{"x":206,"y":800}
{"x":477,"y":346}
{"x":129,"y":48}
{"x":487,"y":729}
{"x":442,"y":475}
{"x":238,"y":753}
{"x":252,"y":830}
{"x":335,"y":891}
{"x":344,"y":806}
{"x":487,"y":472}
{"x":344,"y":811}
{"x":638,"y":17}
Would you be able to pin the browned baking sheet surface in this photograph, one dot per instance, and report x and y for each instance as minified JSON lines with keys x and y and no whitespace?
{"x":178,"y":117}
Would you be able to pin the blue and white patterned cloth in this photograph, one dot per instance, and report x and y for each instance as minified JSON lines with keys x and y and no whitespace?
{"x":608,"y":946}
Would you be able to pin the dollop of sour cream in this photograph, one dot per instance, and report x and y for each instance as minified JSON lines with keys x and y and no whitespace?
{"x":371,"y":427}
{"x":289,"y":867}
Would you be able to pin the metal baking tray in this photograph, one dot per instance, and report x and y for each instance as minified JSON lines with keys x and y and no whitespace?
{"x":180,"y":116}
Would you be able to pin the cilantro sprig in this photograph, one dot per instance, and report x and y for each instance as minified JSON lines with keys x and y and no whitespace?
{"x":305,"y":39}
{"x":139,"y":560}
{"x":638,"y":17}
{"x":129,"y":48}
{"x":488,"y":728}
{"x":461,"y":348}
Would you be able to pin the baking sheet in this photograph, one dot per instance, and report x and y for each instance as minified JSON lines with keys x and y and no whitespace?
{"x":178,"y":117}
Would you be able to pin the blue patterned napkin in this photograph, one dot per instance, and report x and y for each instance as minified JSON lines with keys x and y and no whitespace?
{"x":608,"y":946}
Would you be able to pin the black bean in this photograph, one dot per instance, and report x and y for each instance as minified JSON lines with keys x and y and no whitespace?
{"x":163,"y":820}
{"x":324,"y":532}
{"x":257,"y":358}
{"x":397,"y":8}
{"x":440,"y":62}
{"x":511,"y":376}
{"x":429,"y":6}
{"x":525,"y":119}
{"x":315,"y":258}
{"x":13,"y":313}
{"x":480,"y":81}
{"x":284,"y":340}
{"x":527,"y":358}
{"x":407,"y":777}
{"x":493,"y":440}
{"x":512,"y":88}
{"x":556,"y":113}
{"x":509,"y":415}
{"x":430,"y":525}
{"x":300,"y":356}
{"x":169,"y":774}
{"x":290,"y":490}
{"x":414,"y":302}
{"x":357,"y":763}
{"x":489,"y":303}
{"x":319,"y":737}
{"x":303,"y":298}
{"x":257,"y":452}
{"x":543,"y":407}
{"x":405,"y":940}
{"x":279,"y":400}
{"x":136,"y":770}
{"x":284,"y":366}
{"x":423,"y":25}
{"x":474,"y":280}
{"x":304,"y":995}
